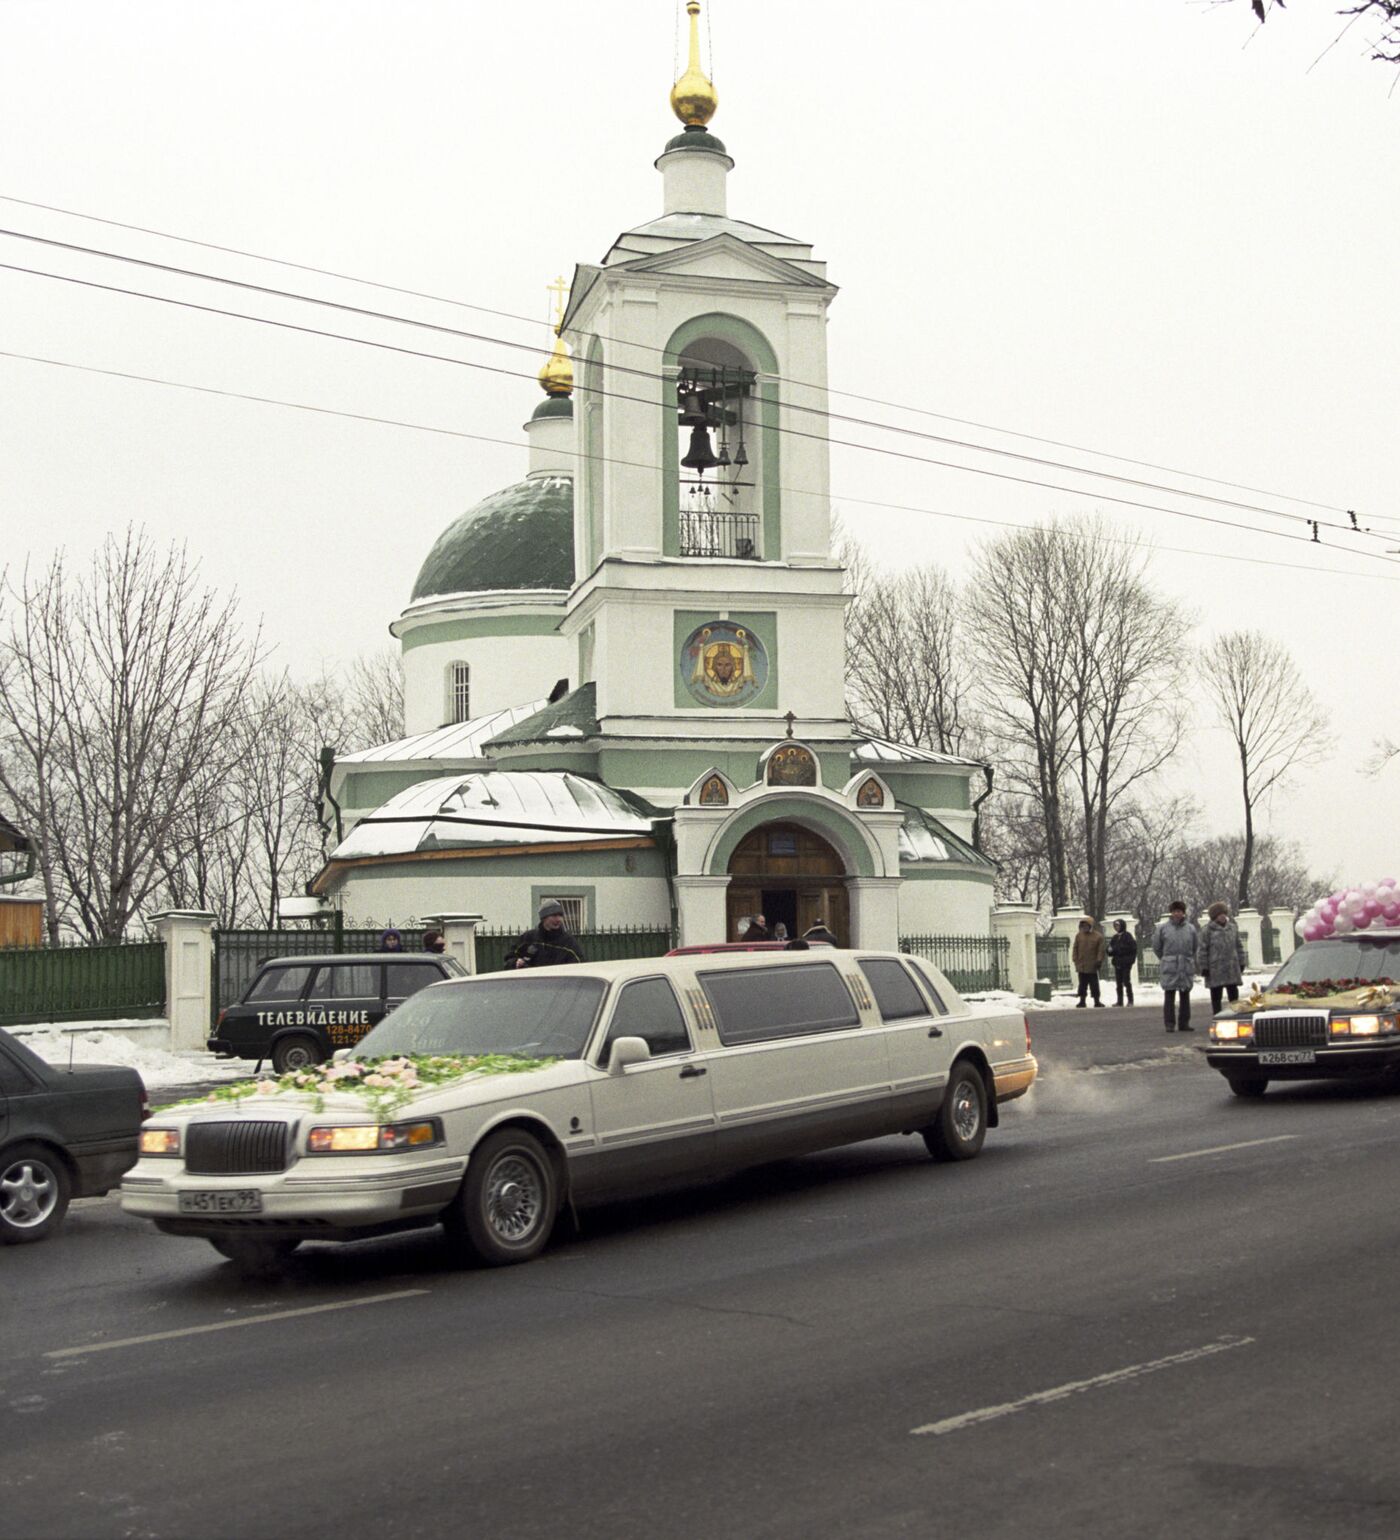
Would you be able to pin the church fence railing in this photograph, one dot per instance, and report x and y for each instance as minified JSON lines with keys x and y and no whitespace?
{"x":105,"y":982}
{"x":617,"y":943}
{"x":969,"y":963}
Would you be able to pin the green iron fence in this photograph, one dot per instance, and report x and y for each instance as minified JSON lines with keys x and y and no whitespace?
{"x":969,"y":963}
{"x":1052,"y":961}
{"x":1273,"y":953}
{"x":1148,"y":969}
{"x":238,"y":954}
{"x":614,"y":944}
{"x":82,"y":983}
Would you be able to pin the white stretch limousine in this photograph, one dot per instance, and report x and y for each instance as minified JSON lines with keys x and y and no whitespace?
{"x":657,"y":1072}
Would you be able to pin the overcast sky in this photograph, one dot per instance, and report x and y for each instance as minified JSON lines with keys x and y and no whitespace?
{"x":1151,"y":229}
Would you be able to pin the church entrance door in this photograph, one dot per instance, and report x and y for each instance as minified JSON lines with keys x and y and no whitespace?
{"x":791,"y":877}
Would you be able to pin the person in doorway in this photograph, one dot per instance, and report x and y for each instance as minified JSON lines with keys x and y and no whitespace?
{"x":433,"y":941}
{"x":549,"y":943}
{"x":780,"y":932}
{"x":390,"y":940}
{"x":1122,"y":950}
{"x":1220,"y":956}
{"x":1087,"y":956}
{"x":757,"y":930}
{"x":818,"y":930}
{"x":1175,"y":942}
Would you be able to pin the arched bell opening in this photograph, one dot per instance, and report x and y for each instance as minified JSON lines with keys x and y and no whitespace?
{"x":719,"y":451}
{"x":793,"y":877}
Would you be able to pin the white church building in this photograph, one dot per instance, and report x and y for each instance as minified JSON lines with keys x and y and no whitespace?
{"x":624,"y":675}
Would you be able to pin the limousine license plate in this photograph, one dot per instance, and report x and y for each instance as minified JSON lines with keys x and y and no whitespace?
{"x":242,"y":1200}
{"x":1288,"y":1056}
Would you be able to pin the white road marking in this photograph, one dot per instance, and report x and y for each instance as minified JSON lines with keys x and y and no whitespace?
{"x":1220,"y":1149}
{"x":252,"y":1320}
{"x":1077,"y":1387}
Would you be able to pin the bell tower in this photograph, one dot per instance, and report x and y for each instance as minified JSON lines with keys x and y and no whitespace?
{"x":706,"y":603}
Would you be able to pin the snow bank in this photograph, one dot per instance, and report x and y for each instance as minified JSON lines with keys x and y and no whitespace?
{"x":106,"y":1042}
{"x":1143,"y":994}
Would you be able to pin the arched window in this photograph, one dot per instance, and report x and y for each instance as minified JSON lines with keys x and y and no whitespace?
{"x":459,"y":692}
{"x":720,"y":452}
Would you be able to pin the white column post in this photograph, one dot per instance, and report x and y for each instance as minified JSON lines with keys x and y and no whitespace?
{"x":1017,"y":923}
{"x":1066,"y":921}
{"x":701,"y":910}
{"x":459,"y":936}
{"x":1251,"y":927}
{"x":188,"y":935}
{"x":1283,"y":921}
{"x":875,"y":911}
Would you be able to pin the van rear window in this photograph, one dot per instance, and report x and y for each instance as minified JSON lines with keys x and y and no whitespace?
{"x":754,"y":1005}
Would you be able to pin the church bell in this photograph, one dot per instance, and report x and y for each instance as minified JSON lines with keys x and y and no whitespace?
{"x":700,"y":457}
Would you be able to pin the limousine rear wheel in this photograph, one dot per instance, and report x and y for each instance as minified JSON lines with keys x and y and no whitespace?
{"x":509,"y":1199}
{"x":961,"y":1125}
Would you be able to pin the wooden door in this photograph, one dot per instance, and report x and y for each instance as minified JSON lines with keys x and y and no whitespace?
{"x":829,"y":902}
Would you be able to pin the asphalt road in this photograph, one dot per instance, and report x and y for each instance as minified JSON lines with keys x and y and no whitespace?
{"x":1147,"y":1309}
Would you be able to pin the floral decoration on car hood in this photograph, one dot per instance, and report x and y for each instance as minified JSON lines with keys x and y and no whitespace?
{"x":1333,"y":994}
{"x":384,"y":1084}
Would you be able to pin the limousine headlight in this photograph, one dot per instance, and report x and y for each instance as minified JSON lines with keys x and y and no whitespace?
{"x":1356,"y":1026}
{"x":373,"y":1138}
{"x":160,"y":1141}
{"x":1231,"y":1031}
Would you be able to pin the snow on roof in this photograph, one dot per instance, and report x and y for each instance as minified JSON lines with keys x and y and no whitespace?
{"x":496,"y":807}
{"x":458,"y":740}
{"x":882,"y":751}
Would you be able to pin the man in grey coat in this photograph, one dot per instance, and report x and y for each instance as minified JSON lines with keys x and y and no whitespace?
{"x":1175,"y":942}
{"x":1220,"y":956}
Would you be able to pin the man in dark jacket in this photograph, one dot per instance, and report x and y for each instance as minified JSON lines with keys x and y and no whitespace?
{"x":756,"y":930}
{"x":1122,"y":948}
{"x":548,"y":943}
{"x":819,"y":930}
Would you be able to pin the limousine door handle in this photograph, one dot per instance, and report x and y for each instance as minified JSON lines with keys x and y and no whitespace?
{"x":692,"y":1070}
{"x":935,"y":1031}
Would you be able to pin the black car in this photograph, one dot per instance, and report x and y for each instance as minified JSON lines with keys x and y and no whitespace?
{"x":64,"y":1133}
{"x":299,"y":1010}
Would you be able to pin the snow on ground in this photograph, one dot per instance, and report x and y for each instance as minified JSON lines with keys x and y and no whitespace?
{"x":102,"y":1042}
{"x":1143,"y":994}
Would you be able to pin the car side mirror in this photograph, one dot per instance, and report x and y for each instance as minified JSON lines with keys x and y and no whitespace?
{"x":628,"y":1050}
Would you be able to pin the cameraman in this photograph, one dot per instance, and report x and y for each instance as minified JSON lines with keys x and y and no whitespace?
{"x":548,"y":943}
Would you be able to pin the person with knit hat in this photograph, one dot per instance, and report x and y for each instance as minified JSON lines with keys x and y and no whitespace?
{"x":1087,"y":956}
{"x":1220,"y":955}
{"x":547,"y":943}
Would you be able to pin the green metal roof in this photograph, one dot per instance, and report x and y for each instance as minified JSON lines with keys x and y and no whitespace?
{"x":570,"y":719}
{"x":923,"y":838}
{"x":520,"y":537}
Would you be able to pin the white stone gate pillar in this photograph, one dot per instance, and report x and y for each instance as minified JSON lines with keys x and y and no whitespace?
{"x":1017,"y":923}
{"x":701,"y":910}
{"x":459,"y":936}
{"x":1283,"y":921}
{"x":1251,"y":926}
{"x":874,"y":912}
{"x":188,"y":935}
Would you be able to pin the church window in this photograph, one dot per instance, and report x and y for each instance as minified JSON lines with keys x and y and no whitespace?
{"x":459,"y":692}
{"x":717,"y":419}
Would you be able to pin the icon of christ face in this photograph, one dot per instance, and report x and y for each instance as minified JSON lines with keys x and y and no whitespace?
{"x":724,"y":664}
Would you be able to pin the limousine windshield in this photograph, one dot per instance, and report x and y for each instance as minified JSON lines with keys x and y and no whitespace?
{"x":539,"y":1016}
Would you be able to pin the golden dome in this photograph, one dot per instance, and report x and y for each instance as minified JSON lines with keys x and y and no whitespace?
{"x":693,"y":97}
{"x":557,"y":376}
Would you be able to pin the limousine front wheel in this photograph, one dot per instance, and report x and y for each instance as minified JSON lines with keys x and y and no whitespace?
{"x":961,"y":1125}
{"x":509,"y":1199}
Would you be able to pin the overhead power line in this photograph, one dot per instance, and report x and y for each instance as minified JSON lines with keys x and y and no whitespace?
{"x":805,"y":385}
{"x":483,"y":438}
{"x":293,"y":326}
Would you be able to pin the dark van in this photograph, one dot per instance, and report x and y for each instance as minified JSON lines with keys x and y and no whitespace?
{"x":299,"y":1010}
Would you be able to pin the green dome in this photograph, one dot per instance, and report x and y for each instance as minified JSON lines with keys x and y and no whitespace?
{"x":521,"y":537}
{"x":553,"y":406}
{"x":695,"y":138}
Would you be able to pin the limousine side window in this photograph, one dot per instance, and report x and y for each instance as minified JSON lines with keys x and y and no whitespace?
{"x":926,"y":979}
{"x":754,"y":1005}
{"x":281,"y":983}
{"x":647,"y":1008}
{"x":895,"y":992}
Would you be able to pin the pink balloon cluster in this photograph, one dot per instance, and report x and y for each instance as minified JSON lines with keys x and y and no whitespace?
{"x":1352,"y":909}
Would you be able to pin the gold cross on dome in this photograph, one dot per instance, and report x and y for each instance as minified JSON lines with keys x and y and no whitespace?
{"x":559,"y":289}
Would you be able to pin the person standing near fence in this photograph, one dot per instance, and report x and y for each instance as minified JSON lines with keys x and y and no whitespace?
{"x":1087,"y":956}
{"x":548,"y":943}
{"x":1175,"y":943}
{"x":1220,"y":956}
{"x":1123,"y":949}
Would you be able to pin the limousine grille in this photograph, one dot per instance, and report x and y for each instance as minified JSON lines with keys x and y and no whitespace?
{"x":1291,"y":1029}
{"x":236,"y":1149}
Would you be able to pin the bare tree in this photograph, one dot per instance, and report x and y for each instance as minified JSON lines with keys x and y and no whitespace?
{"x":374,"y":699}
{"x":1385,"y":48}
{"x":905,"y":675}
{"x":117,"y":687}
{"x":1273,"y":718}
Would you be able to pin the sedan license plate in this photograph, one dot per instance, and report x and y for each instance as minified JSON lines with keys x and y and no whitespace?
{"x":1288,"y":1056}
{"x":243,"y":1200}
